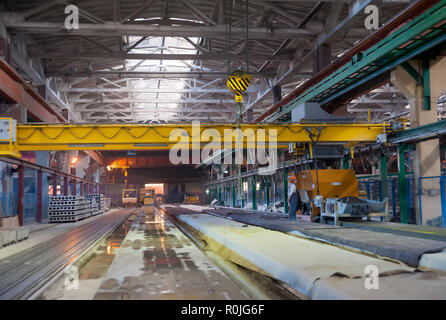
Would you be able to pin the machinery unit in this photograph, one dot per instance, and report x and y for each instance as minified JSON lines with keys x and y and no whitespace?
{"x":191,"y":199}
{"x":129,"y":198}
{"x":353,"y":208}
{"x":147,"y":197}
{"x":159,"y":199}
{"x":327,"y":183}
{"x":333,"y":194}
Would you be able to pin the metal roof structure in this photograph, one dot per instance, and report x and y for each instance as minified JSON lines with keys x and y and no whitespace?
{"x":152,"y":61}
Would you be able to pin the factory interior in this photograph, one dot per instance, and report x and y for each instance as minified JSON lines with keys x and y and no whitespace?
{"x":222,"y":150}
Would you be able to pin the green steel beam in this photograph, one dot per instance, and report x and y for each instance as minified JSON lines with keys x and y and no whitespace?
{"x":422,"y":33}
{"x":254,"y":193}
{"x":267,"y":192}
{"x":383,"y":175}
{"x":421,"y":133}
{"x":345,"y":163}
{"x":413,"y":73}
{"x":402,"y":190}
{"x":285,"y":189}
{"x":233,"y":194}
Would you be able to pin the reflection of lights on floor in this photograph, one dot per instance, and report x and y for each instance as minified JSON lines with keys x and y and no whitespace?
{"x":109,"y":248}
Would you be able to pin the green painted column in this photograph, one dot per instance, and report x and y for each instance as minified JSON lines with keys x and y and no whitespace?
{"x":285,"y":188}
{"x":383,"y":175}
{"x":254,"y":193}
{"x":345,"y":163}
{"x":233,"y":193}
{"x":219,"y":195}
{"x":267,"y":192}
{"x":402,"y":192}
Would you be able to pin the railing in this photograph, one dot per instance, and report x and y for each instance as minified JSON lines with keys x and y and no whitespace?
{"x":370,"y":188}
{"x":271,"y":190}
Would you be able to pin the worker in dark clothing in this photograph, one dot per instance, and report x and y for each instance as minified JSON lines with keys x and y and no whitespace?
{"x":294,"y":198}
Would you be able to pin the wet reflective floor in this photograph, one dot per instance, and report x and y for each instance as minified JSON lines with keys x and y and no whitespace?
{"x":157,"y":261}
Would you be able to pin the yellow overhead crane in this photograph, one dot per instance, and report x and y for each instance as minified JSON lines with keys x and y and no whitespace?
{"x":15,"y":138}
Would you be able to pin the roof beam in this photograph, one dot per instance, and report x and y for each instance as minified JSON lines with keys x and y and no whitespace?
{"x":16,"y":24}
{"x":197,"y":13}
{"x":356,"y":7}
{"x":42,"y":7}
{"x":149,"y":74}
{"x":137,"y":11}
{"x":156,"y":56}
{"x":143,"y":118}
{"x":130,"y":100}
{"x":150,"y":90}
{"x":152,"y":111}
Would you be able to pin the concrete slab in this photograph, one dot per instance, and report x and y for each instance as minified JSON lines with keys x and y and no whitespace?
{"x":404,"y":248}
{"x":405,"y":286}
{"x":156,"y":261}
{"x":295,"y":261}
{"x":434,"y":261}
{"x":8,"y":236}
{"x":22,"y":234}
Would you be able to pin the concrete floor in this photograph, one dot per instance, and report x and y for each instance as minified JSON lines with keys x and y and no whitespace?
{"x":156,"y":261}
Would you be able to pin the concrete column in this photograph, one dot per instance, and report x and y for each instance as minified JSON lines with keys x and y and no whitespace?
{"x":15,"y":111}
{"x":321,"y":57}
{"x":74,"y":187}
{"x":277,"y":94}
{"x":41,"y":90}
{"x":427,"y":155}
{"x":249,"y":115}
{"x":81,"y":188}
{"x":383,"y":176}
